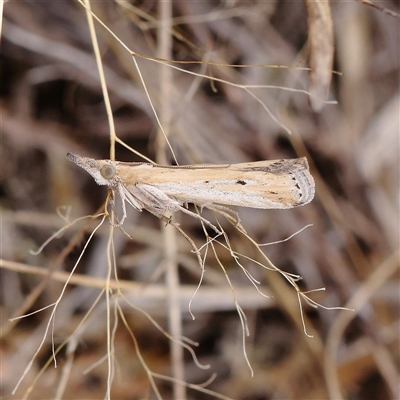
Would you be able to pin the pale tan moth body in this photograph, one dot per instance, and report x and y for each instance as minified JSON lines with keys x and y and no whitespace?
{"x":277,"y":184}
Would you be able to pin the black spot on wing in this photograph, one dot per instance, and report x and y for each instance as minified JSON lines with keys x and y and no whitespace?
{"x":240,"y":182}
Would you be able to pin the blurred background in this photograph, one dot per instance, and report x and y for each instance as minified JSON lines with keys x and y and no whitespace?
{"x":52,"y":103}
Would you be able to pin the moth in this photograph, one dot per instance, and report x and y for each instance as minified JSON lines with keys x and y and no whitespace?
{"x":276,"y":184}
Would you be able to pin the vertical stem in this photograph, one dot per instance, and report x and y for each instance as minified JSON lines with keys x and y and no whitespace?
{"x":103,"y":83}
{"x":165,"y":76}
{"x":169,"y":233}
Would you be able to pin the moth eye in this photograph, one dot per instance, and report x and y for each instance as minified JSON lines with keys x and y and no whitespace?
{"x":107,"y":171}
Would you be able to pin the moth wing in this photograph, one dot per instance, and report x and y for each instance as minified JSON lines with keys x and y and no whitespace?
{"x":263,"y":184}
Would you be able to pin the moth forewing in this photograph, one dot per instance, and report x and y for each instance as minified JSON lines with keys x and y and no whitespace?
{"x":263,"y":184}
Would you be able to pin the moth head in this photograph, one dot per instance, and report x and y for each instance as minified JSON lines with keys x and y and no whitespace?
{"x":103,"y":171}
{"x":108,"y":171}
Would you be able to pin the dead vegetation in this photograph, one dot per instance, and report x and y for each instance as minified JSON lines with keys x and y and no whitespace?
{"x":256,"y":56}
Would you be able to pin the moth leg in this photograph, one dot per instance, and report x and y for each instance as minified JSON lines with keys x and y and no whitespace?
{"x":168,"y":220}
{"x":116,"y":224}
{"x":125,"y":232}
{"x":154,"y":198}
{"x":198,"y":216}
{"x":164,"y":218}
{"x":123,"y":198}
{"x":131,"y":199}
{"x":228,"y":213}
{"x":231,"y":215}
{"x":191,"y":242}
{"x":158,"y":201}
{"x":111,"y":202}
{"x":112,"y":205}
{"x":126,"y":196}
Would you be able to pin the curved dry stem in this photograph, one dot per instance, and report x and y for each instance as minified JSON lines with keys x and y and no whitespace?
{"x":61,"y":231}
{"x":76,"y":332}
{"x":168,"y":62}
{"x":199,"y":388}
{"x":139,"y":354}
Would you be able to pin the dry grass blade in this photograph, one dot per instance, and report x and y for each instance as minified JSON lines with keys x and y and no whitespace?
{"x":321,"y":48}
{"x":191,"y":83}
{"x":380,"y":8}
